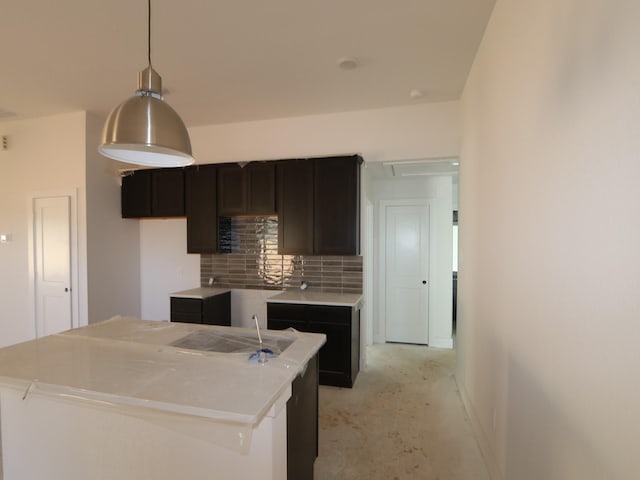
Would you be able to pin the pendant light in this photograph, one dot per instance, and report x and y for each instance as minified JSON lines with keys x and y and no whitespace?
{"x":145,"y":130}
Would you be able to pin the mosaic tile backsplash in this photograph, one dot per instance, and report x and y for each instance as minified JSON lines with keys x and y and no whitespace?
{"x":249,"y":259}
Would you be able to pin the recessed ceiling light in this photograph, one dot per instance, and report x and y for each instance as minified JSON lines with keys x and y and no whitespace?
{"x":348,"y":63}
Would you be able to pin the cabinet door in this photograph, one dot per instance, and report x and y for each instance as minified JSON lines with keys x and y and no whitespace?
{"x":337,"y":206}
{"x":136,"y":195}
{"x":261,"y":188}
{"x":232,"y":190}
{"x":335,"y":355}
{"x":202,"y":220}
{"x":167,"y":192}
{"x":295,"y":207}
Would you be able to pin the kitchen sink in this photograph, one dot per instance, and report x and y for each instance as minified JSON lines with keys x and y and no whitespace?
{"x":215,"y":341}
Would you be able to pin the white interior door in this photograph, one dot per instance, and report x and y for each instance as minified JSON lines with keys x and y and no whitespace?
{"x":52,"y":245}
{"x":407,"y":269}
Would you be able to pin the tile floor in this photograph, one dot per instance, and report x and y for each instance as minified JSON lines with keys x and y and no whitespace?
{"x":402,"y":420}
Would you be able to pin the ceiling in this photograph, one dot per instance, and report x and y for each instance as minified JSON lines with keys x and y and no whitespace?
{"x":236,"y":60}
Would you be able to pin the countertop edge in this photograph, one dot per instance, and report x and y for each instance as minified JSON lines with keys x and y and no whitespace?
{"x":318,"y":301}
{"x":200,"y":293}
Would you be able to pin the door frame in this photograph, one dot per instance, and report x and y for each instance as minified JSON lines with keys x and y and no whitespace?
{"x":381,"y":336}
{"x":73,"y":239}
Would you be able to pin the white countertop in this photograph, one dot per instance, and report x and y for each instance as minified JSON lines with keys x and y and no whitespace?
{"x":201,"y":293}
{"x":129,"y":363}
{"x":312,"y":297}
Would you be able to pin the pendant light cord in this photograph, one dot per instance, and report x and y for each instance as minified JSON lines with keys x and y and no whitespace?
{"x":149,"y":31}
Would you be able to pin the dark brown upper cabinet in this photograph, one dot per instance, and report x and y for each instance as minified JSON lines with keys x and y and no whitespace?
{"x":319,"y":206}
{"x":248,"y":190}
{"x":153,"y":193}
{"x":201,"y":200}
{"x":336,"y":206}
{"x":295,"y":207}
{"x":261,"y":188}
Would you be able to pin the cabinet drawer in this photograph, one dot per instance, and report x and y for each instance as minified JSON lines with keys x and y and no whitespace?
{"x":329,"y":314}
{"x":273,"y":324}
{"x":186,"y":305}
{"x":286,"y":311}
{"x":186,"y":317}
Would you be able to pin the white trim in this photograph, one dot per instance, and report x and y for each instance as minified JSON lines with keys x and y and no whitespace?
{"x":75,"y":266}
{"x":441,"y":342}
{"x":489,"y":457}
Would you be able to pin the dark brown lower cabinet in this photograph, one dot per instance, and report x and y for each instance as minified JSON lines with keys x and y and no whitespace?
{"x":215,"y":310}
{"x":339,"y":361}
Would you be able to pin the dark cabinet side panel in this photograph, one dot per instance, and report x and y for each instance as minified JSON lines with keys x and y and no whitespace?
{"x":295,"y":207}
{"x":302,"y":424}
{"x":202,"y":220}
{"x":337,"y":206}
{"x":216,"y":310}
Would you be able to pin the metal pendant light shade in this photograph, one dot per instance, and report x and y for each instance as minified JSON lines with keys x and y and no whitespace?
{"x":145,"y":130}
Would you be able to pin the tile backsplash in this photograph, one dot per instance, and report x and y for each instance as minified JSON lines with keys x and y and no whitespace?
{"x":249,"y":259}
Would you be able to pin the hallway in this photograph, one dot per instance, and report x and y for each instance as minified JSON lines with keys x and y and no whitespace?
{"x":403,"y":420}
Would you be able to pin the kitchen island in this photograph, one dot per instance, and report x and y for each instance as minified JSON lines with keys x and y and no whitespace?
{"x":133,"y":399}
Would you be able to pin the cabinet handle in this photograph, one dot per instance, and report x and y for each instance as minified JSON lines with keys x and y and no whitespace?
{"x":424,"y":282}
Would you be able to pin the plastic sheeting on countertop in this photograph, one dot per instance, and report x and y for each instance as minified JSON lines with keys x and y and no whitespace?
{"x":130,"y":364}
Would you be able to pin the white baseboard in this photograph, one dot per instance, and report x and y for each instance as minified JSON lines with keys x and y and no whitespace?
{"x":441,"y":343}
{"x":488,"y":455}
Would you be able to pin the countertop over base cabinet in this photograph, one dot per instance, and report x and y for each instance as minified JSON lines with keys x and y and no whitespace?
{"x":339,"y":358}
{"x":211,"y":310}
{"x":169,"y":414}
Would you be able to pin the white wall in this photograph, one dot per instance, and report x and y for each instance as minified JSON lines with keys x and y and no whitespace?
{"x":165,"y":266}
{"x":438,"y":190}
{"x":45,"y":156}
{"x":548,"y":325}
{"x":113,"y":243}
{"x":420,"y":131}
